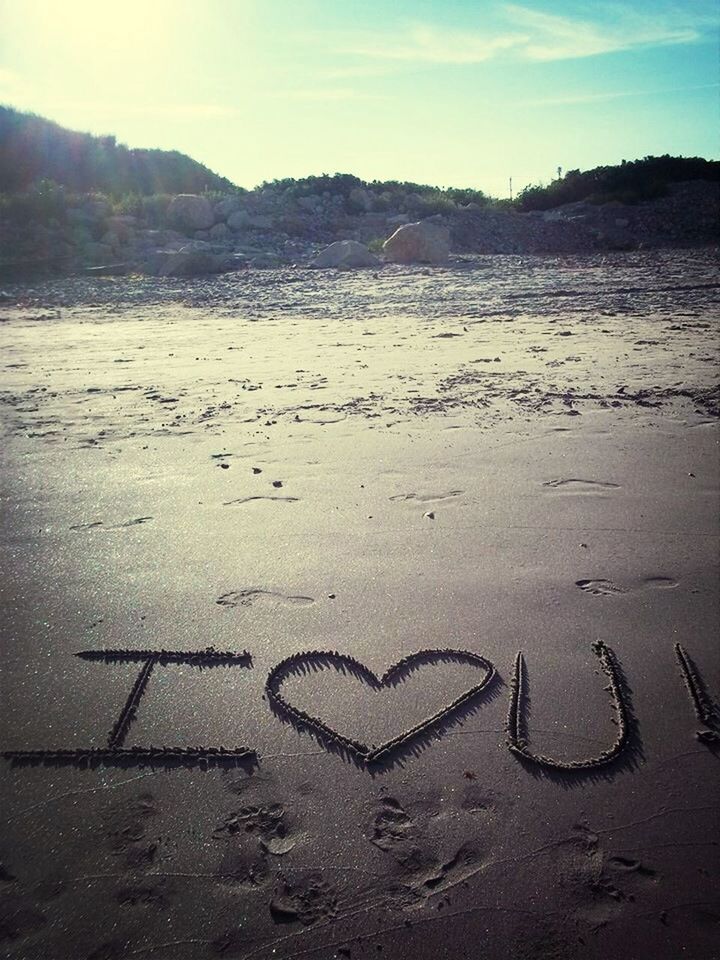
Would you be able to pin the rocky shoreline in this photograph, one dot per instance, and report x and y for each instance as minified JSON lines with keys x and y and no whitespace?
{"x":200,"y":236}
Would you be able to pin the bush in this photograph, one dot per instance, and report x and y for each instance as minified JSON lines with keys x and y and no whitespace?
{"x":42,"y":203}
{"x":630,"y":182}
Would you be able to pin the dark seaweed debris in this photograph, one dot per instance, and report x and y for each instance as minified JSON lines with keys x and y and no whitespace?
{"x":517,"y":734}
{"x":299,"y":662}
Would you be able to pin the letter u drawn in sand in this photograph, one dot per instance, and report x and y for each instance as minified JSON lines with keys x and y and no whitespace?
{"x":516,"y":726}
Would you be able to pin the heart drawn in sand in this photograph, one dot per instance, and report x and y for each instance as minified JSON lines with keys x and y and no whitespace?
{"x":310,"y":660}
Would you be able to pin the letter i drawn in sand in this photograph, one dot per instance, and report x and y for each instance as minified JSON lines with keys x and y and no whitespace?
{"x":115,"y":751}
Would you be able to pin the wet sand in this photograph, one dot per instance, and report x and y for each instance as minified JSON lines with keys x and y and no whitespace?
{"x":508,"y":455}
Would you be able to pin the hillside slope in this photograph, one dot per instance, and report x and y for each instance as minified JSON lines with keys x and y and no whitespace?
{"x":34,"y":149}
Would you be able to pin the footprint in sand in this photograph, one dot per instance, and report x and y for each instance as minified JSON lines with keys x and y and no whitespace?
{"x":599,"y":588}
{"x":427,"y":498}
{"x":130,"y":523}
{"x":572,"y":484}
{"x":419,"y":868}
{"x":306,"y":898}
{"x":659,"y":583}
{"x":242,"y":500}
{"x":116,"y":526}
{"x":250,"y":595}
{"x":126,"y":827}
{"x":252,"y":834}
{"x":158,"y":895}
{"x":596,"y":883}
{"x":606,"y":588}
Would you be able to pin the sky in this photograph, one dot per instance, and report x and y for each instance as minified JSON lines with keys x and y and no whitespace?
{"x":461,"y":93}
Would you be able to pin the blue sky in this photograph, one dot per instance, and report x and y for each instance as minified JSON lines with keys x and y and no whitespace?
{"x":449,"y":92}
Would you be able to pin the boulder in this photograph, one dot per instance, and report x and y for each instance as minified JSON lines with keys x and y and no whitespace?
{"x":420,"y":242}
{"x":97,"y":252}
{"x":225,"y":207}
{"x":189,"y":212}
{"x":189,"y":261}
{"x":344,"y":254}
{"x":220,"y":232}
{"x":260,"y":221}
{"x":242,"y":220}
{"x":238,"y":220}
{"x":119,"y":230}
{"x":360,"y":200}
{"x":96,"y":209}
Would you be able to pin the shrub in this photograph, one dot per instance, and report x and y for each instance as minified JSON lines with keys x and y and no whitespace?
{"x":630,"y":182}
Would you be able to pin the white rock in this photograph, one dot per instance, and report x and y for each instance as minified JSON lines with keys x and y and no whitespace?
{"x":344,"y":254}
{"x":420,"y":242}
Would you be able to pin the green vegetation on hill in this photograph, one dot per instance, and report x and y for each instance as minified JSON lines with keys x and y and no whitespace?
{"x":33,"y":149}
{"x":630,"y":182}
{"x":376,"y":195}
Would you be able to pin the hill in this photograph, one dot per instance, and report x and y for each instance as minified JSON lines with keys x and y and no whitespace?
{"x":627,"y":182}
{"x":33,"y":149}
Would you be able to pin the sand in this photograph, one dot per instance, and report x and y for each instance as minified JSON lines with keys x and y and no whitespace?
{"x":508,"y":455}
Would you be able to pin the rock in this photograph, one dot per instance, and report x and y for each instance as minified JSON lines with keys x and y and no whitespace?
{"x":97,"y":252}
{"x":189,"y":212}
{"x":77,"y":217}
{"x":420,"y":242}
{"x":189,"y":261}
{"x":224,"y":208}
{"x":220,"y":232}
{"x":107,"y":270}
{"x":344,"y":254}
{"x":261,"y":222}
{"x":239,"y":220}
{"x":120,"y":230}
{"x":266,"y":261}
{"x":242,"y":220}
{"x":121,"y":224}
{"x":360,"y":200}
{"x":96,"y":209}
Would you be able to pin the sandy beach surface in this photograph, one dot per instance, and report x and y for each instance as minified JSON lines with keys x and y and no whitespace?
{"x":510,"y":454}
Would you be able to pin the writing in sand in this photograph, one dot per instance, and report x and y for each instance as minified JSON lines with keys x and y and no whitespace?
{"x":362,"y":754}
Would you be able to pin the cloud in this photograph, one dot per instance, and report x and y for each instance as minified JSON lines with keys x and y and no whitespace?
{"x":424,"y":43}
{"x":572,"y":99}
{"x":553,"y":37}
{"x":531,"y":34}
{"x":325,"y":95}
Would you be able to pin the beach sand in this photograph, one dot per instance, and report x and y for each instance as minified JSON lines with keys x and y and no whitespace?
{"x":511,"y":454}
